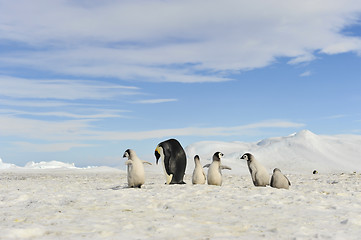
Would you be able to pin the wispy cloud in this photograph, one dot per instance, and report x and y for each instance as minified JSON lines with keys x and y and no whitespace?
{"x":36,"y":103}
{"x":82,"y":130}
{"x":181,"y":41}
{"x":49,"y":147}
{"x":306,"y":74}
{"x":25,"y":128}
{"x":155,"y":101}
{"x":336,"y":116}
{"x":101,"y":115}
{"x":61,"y":89}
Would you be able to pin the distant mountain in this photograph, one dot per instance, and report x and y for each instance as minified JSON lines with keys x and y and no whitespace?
{"x":300,"y":152}
{"x":6,"y":165}
{"x":49,"y":165}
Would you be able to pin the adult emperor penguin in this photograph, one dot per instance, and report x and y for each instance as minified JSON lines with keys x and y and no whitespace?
{"x":278,"y":180}
{"x":174,"y":160}
{"x":198,"y":177}
{"x":136,"y":176}
{"x":214,"y":176}
{"x":259,"y":174}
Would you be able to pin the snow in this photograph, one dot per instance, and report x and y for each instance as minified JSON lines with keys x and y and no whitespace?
{"x":301,"y":152}
{"x":49,"y":165}
{"x":39,"y":201}
{"x":6,"y":165}
{"x":96,"y":204}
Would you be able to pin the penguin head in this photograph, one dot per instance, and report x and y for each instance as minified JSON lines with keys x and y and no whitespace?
{"x":276,"y":170}
{"x":217,"y":156}
{"x":127,"y":153}
{"x":158,"y":152}
{"x":247,"y":157}
{"x":196,"y":158}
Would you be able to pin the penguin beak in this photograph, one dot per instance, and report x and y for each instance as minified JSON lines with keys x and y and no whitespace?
{"x":157,"y":155}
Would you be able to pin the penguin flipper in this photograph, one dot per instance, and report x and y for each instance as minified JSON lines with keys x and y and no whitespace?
{"x":271,"y":183}
{"x":207,"y":165}
{"x":288,"y":181}
{"x":167,"y":164}
{"x":225,"y":167}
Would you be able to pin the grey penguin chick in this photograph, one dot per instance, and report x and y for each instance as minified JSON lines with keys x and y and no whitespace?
{"x":198,"y":176}
{"x":279,"y":180}
{"x":259,"y":173}
{"x":135,"y":169}
{"x":214,"y":176}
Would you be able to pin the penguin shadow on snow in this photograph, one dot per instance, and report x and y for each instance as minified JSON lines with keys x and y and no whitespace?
{"x":122,"y":187}
{"x":119,"y":187}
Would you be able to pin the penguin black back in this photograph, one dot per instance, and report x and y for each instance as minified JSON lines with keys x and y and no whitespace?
{"x":175,"y":160}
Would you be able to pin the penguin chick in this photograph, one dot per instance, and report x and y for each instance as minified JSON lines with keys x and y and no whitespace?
{"x":135,"y":169}
{"x":259,"y":174}
{"x":278,"y":180}
{"x":198,"y":177}
{"x":214,"y":176}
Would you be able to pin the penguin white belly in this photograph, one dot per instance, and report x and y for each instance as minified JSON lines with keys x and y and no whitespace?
{"x":214,"y":176}
{"x":198,"y":176}
{"x":168,"y":178}
{"x":136,"y":175}
{"x":263,"y":176}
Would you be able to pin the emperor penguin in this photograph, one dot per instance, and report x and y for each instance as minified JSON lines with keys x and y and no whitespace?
{"x":198,"y":177}
{"x":135,"y":169}
{"x":214,"y":176}
{"x":278,"y":180}
{"x":259,"y":174}
{"x":173,"y":159}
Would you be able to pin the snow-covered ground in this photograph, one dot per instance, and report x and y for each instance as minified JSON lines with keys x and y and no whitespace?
{"x":55,"y":200}
{"x":95,"y":204}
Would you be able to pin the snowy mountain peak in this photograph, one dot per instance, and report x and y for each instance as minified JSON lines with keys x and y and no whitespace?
{"x":305,"y":134}
{"x":303,"y":151}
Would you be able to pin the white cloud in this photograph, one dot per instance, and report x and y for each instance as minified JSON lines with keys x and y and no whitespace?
{"x":61,"y":89}
{"x":82,"y":130}
{"x":191,"y":131}
{"x":37,"y":104}
{"x":306,"y":74}
{"x":336,"y":116}
{"x":101,"y":115}
{"x":41,"y":129}
{"x":146,"y":39}
{"x":49,"y":147}
{"x":154,"y":101}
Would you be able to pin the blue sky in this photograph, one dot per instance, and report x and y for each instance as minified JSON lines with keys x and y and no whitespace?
{"x":82,"y":82}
